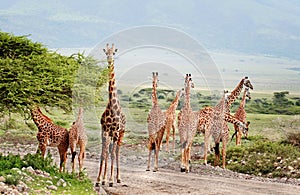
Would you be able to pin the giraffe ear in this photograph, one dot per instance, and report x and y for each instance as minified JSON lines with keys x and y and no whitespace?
{"x":104,"y":50}
{"x":116,"y":50}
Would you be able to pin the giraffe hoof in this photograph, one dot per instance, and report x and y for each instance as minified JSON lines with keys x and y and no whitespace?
{"x":110,"y":184}
{"x":103,"y":183}
{"x":182,"y":169}
{"x":118,"y":180}
{"x":97,"y":184}
{"x":155,"y":169}
{"x":147,"y":169}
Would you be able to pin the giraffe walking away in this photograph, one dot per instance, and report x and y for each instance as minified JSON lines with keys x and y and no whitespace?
{"x":78,"y":137}
{"x":113,"y":126}
{"x":170,"y":120}
{"x":187,"y":125}
{"x":50,"y":134}
{"x":156,"y":125}
{"x":241,"y":115}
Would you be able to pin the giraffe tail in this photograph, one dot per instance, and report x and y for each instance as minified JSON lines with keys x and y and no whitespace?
{"x":233,"y":135}
{"x":73,"y":156}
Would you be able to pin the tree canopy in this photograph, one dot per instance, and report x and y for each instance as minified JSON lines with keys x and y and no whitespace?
{"x":31,"y":74}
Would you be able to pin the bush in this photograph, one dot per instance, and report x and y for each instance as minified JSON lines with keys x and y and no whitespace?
{"x":263,"y":157}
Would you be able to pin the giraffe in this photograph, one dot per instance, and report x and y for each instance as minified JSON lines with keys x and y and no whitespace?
{"x":156,"y":125}
{"x":187,"y":125}
{"x":218,"y":129}
{"x":205,"y":113}
{"x":170,"y":119}
{"x":113,"y":125}
{"x":237,"y":91}
{"x":241,"y":115}
{"x":50,"y":134}
{"x":78,"y":137}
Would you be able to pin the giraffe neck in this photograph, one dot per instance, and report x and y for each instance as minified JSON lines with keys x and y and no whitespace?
{"x":176,"y":100}
{"x":112,"y":89}
{"x":187,"y":96}
{"x":154,"y":94}
{"x":39,"y":118}
{"x":242,"y":104}
{"x":231,"y":119}
{"x":235,"y":93}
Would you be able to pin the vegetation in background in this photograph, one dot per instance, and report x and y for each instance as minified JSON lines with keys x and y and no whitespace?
{"x":30,"y":74}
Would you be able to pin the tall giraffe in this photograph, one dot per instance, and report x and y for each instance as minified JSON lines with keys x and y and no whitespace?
{"x":113,"y":125}
{"x":241,"y":115}
{"x":50,"y":134}
{"x":156,"y":125}
{"x":187,"y":125}
{"x":170,"y":120}
{"x":218,"y":129}
{"x":78,"y":137}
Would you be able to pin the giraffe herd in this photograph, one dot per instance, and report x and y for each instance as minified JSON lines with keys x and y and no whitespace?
{"x":210,"y":121}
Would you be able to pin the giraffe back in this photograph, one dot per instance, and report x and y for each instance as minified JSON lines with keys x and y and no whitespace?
{"x":48,"y":132}
{"x":77,"y":133}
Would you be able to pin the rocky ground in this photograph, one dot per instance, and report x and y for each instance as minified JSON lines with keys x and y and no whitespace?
{"x":169,"y":179}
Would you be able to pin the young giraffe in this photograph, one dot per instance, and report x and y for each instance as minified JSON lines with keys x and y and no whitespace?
{"x":113,"y":125}
{"x":50,"y":134}
{"x":218,"y":129}
{"x":241,"y":115}
{"x":78,"y":137}
{"x":156,"y":125}
{"x":170,"y":120}
{"x":187,"y":125}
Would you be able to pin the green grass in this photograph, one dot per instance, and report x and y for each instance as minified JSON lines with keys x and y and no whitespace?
{"x":11,"y":166}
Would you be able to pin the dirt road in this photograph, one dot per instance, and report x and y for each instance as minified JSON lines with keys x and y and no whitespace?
{"x":135,"y":180}
{"x":169,"y":180}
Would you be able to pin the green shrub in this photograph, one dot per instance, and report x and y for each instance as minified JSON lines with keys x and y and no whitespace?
{"x":263,"y":157}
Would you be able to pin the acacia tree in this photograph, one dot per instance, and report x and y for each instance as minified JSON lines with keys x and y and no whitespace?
{"x":30,"y":75}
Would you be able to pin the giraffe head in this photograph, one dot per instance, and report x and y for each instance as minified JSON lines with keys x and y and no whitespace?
{"x":155,"y":79}
{"x":189,"y":81}
{"x":110,"y":52}
{"x":246,"y":130}
{"x":226,"y":94}
{"x":247,"y":83}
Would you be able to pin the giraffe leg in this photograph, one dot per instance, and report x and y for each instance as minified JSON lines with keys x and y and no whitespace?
{"x":206,"y":146}
{"x":63,"y":157}
{"x":239,"y":135}
{"x":81,"y":157}
{"x":118,"y":154}
{"x":73,"y":152}
{"x":168,"y":131}
{"x":187,"y":159}
{"x":42,"y":148}
{"x":118,"y":163}
{"x":217,"y":154}
{"x":173,"y":128}
{"x":150,"y":147}
{"x":182,"y":166}
{"x":156,"y":151}
{"x":224,"y":143}
{"x":103,"y":158}
{"x":113,"y":156}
